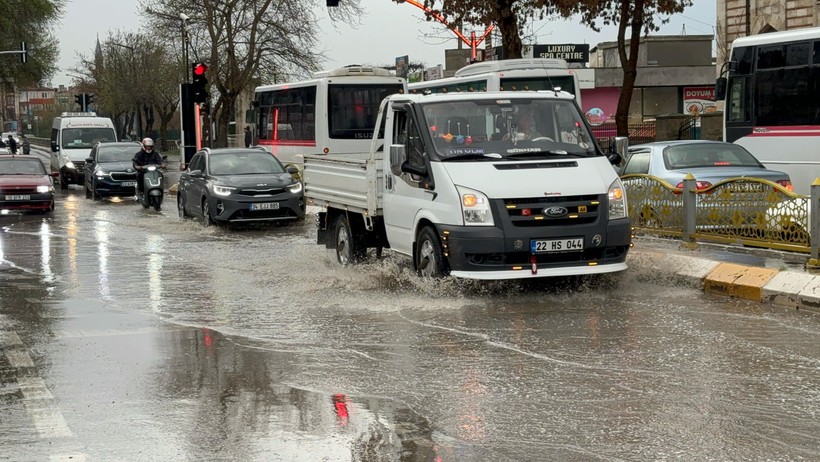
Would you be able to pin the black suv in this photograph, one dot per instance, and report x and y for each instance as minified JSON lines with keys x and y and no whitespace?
{"x":109,"y":170}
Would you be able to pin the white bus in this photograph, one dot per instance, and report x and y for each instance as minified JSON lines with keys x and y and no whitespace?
{"x":507,"y":75}
{"x":772,"y":106}
{"x":333,"y":113}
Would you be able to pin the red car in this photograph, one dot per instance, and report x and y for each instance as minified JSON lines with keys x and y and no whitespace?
{"x":25,"y":185}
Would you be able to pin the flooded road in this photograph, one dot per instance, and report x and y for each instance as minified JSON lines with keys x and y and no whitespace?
{"x":134,"y":335}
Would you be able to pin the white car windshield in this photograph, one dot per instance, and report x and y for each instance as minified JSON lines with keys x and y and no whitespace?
{"x":508,"y":128}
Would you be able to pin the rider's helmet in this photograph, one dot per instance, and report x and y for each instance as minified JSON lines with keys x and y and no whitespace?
{"x":147,"y":144}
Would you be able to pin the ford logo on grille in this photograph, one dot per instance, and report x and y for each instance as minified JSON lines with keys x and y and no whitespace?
{"x":555,"y":212}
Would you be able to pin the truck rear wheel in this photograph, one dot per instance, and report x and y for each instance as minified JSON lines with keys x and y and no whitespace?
{"x":429,"y":256}
{"x":349,"y":250}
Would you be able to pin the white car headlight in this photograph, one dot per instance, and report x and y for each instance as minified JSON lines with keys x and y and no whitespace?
{"x":475,"y":207}
{"x":295,"y":188}
{"x":617,"y":200}
{"x":43,"y":189}
{"x":223,"y":190}
{"x":70,"y":165}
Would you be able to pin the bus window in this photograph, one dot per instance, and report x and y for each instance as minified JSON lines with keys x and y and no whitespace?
{"x":743,"y":56}
{"x":739,"y":98}
{"x":797,"y":54}
{"x":771,"y":57}
{"x":353,"y":109}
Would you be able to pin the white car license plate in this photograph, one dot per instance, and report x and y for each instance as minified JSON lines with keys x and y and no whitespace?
{"x":129,"y":183}
{"x":567,"y":244}
{"x":18,"y":197}
{"x":265,"y":206}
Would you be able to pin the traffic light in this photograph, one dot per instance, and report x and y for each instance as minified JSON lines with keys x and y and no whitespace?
{"x":198,"y":83}
{"x":80,"y":100}
{"x":89,"y":101}
{"x":332,"y":2}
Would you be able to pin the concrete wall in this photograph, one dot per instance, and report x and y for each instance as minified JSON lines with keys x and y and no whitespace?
{"x":658,"y":76}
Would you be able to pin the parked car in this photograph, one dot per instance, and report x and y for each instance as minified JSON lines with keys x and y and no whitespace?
{"x":109,"y":170}
{"x":25,"y":185}
{"x":232,"y":185}
{"x":708,"y":161}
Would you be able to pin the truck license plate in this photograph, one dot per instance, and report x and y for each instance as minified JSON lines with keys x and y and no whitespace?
{"x":129,"y":183}
{"x":567,"y":244}
{"x":18,"y":197}
{"x":265,"y":206}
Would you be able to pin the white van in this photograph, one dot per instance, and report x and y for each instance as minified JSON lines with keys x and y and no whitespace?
{"x":72,"y":136}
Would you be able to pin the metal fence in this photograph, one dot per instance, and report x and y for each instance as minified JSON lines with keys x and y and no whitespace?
{"x":748,"y":211}
{"x":638,"y":133}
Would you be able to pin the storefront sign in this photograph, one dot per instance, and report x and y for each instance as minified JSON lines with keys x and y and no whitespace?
{"x":571,"y":53}
{"x":697,"y":100}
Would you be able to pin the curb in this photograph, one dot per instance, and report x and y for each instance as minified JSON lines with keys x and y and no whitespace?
{"x":763,"y":285}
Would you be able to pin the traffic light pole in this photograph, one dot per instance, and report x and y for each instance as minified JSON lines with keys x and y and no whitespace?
{"x":188,"y":124}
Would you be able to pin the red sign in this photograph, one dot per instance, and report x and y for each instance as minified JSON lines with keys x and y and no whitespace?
{"x":699,"y":93}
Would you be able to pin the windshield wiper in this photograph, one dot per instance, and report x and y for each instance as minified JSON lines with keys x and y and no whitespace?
{"x":472,"y":156}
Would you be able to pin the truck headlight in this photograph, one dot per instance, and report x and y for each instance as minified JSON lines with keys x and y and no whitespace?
{"x":70,"y":165}
{"x":617,"y":200}
{"x":475,"y":207}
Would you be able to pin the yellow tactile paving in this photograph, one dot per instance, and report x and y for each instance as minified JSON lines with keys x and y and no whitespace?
{"x":738,"y":281}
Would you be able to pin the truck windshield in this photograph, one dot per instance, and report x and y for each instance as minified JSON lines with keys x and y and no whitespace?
{"x":508,"y":128}
{"x":84,"y":138}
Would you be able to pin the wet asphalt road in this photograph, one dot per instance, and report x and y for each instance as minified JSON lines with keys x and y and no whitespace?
{"x":128,"y":334}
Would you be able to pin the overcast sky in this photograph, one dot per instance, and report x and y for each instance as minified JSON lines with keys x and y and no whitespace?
{"x":388,"y":30}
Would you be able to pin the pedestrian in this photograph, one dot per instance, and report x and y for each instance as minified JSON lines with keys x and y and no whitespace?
{"x":248,"y":136}
{"x":12,"y":145}
{"x":26,"y":145}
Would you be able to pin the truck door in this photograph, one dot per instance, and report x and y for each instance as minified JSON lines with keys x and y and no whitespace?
{"x":405,"y":194}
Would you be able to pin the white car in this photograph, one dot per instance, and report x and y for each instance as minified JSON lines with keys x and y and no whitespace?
{"x":5,"y":137}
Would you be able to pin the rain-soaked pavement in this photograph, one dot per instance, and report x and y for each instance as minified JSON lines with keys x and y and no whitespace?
{"x":128,"y":334}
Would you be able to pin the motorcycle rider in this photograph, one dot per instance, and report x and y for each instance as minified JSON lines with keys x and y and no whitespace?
{"x":146,"y":156}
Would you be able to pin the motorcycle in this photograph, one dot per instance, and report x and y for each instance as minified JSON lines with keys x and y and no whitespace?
{"x":153,"y":190}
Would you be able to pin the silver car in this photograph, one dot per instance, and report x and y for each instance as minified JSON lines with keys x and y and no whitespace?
{"x":708,"y":161}
{"x":658,"y":205}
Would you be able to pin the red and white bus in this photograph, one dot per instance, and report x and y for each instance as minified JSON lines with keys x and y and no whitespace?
{"x":333,"y":113}
{"x":772,"y":96}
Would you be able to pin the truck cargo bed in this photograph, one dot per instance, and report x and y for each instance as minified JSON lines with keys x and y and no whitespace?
{"x":345,"y":181}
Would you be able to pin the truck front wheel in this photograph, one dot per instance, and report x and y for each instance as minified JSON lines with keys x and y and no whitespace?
{"x":349,"y":250}
{"x":429,"y":256}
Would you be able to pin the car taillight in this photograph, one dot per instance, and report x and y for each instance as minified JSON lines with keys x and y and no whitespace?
{"x":786,"y":184}
{"x":699,"y":185}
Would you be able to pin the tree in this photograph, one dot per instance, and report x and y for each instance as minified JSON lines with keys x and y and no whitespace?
{"x":635,"y":15}
{"x":510,"y":16}
{"x":245,"y":41}
{"x":29,"y":21}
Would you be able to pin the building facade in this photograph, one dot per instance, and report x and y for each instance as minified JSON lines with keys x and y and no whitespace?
{"x":740,"y":18}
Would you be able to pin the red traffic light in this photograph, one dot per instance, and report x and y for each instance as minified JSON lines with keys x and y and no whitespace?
{"x":200,"y":69}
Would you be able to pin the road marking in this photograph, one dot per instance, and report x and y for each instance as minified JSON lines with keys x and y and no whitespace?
{"x":8,"y":339}
{"x":46,"y":417}
{"x":19,"y":359}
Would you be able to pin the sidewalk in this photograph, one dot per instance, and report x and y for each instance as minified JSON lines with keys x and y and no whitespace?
{"x":765,"y":276}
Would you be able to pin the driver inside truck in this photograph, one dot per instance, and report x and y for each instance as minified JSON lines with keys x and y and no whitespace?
{"x":523,"y":127}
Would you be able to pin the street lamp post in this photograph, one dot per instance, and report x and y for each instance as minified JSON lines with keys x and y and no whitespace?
{"x":183,"y":21}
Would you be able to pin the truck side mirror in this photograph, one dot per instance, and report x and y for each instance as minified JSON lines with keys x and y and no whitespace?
{"x":398,"y":155}
{"x":619,"y":147}
{"x":54,"y":146}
